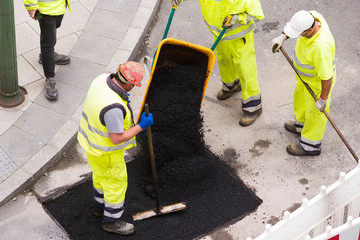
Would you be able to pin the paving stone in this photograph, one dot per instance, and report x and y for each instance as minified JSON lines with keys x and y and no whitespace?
{"x":108,"y":24}
{"x":20,"y":145}
{"x":105,"y":48}
{"x":40,"y":122}
{"x":73,"y":21}
{"x":26,"y":38}
{"x":125,"y":7}
{"x":69,"y":99}
{"x":7,"y":166}
{"x":82,"y":72}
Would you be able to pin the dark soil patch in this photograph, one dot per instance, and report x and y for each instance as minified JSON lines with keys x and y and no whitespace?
{"x":187,"y":171}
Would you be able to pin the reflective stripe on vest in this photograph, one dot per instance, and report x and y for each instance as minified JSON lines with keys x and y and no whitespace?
{"x":306,"y":66}
{"x":106,"y":149}
{"x":235,"y":27}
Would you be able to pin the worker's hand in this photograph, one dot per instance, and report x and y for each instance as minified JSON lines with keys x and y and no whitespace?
{"x":234,"y":18}
{"x":175,"y":3}
{"x":321,"y":104}
{"x":278,"y":42}
{"x":32,"y":13}
{"x":146,"y":121}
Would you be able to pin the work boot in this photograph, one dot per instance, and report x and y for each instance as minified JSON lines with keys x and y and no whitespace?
{"x":249,"y":118}
{"x":297,"y":150}
{"x":59,"y":59}
{"x":222,"y":94}
{"x":119,"y":227}
{"x":290,"y":126}
{"x":98,"y":212}
{"x":51,"y":92}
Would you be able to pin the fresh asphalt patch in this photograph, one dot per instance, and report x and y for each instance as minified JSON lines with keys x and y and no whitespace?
{"x":187,"y":171}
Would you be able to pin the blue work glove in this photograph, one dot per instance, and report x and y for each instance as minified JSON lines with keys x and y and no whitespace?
{"x":146,"y":121}
{"x":321,"y":104}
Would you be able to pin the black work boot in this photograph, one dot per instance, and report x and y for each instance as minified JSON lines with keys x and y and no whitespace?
{"x":223,"y":94}
{"x":51,"y":92}
{"x":292,"y":127}
{"x":119,"y":227}
{"x":249,"y":118}
{"x":297,"y":150}
{"x":59,"y":59}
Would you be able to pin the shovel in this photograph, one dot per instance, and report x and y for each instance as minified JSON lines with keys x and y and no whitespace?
{"x":158,"y":210}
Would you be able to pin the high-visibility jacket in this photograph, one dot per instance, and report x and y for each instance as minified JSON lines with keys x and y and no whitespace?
{"x":214,"y":12}
{"x":93,"y":135}
{"x":314,"y":61}
{"x":48,"y":7}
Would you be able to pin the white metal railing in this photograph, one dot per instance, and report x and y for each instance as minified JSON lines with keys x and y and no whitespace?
{"x":323,"y":216}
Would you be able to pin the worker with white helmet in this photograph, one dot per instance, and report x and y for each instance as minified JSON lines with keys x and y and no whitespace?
{"x":314,"y":61}
{"x":236,"y":50}
{"x":106,"y":130}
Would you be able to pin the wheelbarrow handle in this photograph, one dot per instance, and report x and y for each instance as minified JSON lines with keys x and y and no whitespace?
{"x":221,"y":34}
{"x":169,"y":22}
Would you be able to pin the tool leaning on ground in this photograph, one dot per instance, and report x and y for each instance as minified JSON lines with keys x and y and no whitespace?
{"x":159,"y":210}
{"x":325,"y":112}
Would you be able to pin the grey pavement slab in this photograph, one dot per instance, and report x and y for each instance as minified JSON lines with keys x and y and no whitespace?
{"x":32,"y":222}
{"x":70,"y":98}
{"x":97,"y":49}
{"x":7,"y":166}
{"x":82,"y":73}
{"x":40,"y":122}
{"x":20,"y":145}
{"x":125,"y":7}
{"x":108,"y":24}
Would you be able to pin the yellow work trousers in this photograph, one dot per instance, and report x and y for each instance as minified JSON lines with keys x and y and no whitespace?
{"x":236,"y":59}
{"x":306,"y":113}
{"x":110,"y":176}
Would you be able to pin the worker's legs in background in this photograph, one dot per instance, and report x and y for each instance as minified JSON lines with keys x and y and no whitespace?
{"x":237,"y":60}
{"x":48,"y":25}
{"x":110,"y":185}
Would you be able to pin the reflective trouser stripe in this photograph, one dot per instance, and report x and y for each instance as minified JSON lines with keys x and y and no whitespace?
{"x":298,"y":126}
{"x":110,"y":176}
{"x":314,"y":121}
{"x":237,"y":60}
{"x":113,"y":212}
{"x":99,"y":197}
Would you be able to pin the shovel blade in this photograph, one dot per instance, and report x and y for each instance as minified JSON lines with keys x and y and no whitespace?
{"x":164,"y":210}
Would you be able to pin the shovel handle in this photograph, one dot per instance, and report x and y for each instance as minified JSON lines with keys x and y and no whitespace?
{"x":325,"y":112}
{"x":152,"y":160}
{"x":221,"y":34}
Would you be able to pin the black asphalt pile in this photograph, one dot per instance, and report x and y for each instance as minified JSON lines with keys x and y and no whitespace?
{"x":187,"y":172}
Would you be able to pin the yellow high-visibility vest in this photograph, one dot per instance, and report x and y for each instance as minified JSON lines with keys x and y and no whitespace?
{"x":48,"y":7}
{"x":93,"y":135}
{"x":214,"y":12}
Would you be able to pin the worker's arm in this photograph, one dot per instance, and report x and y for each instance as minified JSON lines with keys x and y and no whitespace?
{"x":325,"y":90}
{"x":117,"y":138}
{"x":326,"y":86}
{"x":145,"y":121}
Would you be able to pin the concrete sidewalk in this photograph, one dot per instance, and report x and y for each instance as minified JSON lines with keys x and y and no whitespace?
{"x":98,"y":35}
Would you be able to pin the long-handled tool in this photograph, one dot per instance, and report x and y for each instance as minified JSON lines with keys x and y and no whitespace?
{"x":325,"y":112}
{"x":163,"y":210}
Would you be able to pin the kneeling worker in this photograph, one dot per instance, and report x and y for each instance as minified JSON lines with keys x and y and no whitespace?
{"x":106,"y":130}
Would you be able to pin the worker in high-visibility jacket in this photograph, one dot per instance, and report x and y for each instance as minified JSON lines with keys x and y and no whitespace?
{"x":314,"y":60}
{"x":106,"y":130}
{"x":236,"y":50}
{"x":50,"y":14}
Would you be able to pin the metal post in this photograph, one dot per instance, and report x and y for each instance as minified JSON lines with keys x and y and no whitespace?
{"x":11,"y":94}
